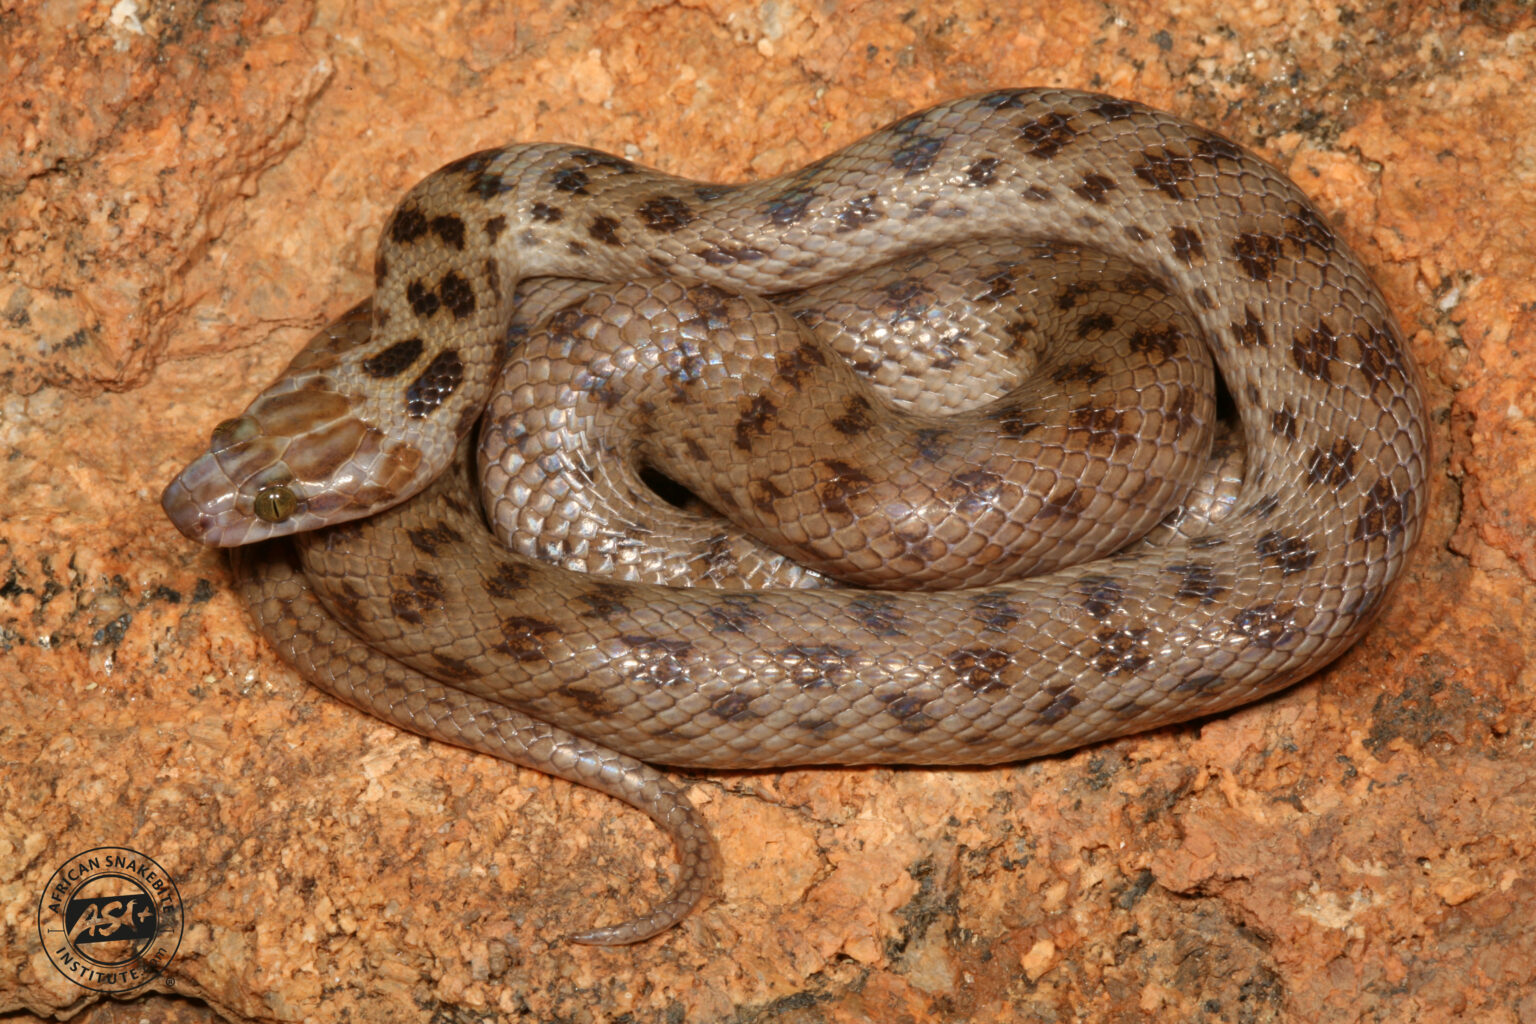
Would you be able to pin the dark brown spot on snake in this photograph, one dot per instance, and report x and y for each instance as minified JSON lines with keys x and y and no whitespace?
{"x":979,"y":669}
{"x":394,"y":360}
{"x":666,"y":214}
{"x":436,"y":383}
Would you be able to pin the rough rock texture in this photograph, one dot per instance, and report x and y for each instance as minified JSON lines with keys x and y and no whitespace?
{"x":186,"y":190}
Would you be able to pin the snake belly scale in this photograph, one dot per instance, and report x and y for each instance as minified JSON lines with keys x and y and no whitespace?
{"x":416,"y":615}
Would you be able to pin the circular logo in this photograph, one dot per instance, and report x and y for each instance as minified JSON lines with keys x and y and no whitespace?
{"x":110,"y":919}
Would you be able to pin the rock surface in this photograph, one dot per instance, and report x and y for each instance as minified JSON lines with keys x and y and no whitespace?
{"x":186,"y":191}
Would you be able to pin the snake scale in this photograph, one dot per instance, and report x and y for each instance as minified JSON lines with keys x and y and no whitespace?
{"x":419,"y":616}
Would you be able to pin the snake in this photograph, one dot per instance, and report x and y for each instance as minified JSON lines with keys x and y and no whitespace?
{"x":346,"y":489}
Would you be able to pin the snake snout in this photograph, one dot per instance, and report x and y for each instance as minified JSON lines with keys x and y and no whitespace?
{"x":185,"y":513}
{"x":201,"y":510}
{"x":203,"y":503}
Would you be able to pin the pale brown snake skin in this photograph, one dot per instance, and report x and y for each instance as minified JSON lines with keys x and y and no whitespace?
{"x":470,"y":643}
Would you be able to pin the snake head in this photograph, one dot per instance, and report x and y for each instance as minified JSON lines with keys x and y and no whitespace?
{"x":297,"y":459}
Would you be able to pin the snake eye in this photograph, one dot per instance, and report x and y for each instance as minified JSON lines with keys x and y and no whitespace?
{"x":274,"y":503}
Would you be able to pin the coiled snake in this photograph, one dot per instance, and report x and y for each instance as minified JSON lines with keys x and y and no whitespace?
{"x":419,"y":616}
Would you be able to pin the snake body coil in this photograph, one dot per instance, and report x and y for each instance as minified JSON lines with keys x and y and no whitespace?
{"x":418,"y":616}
